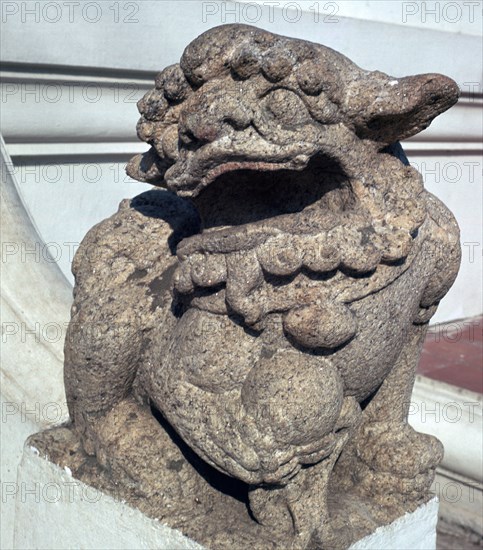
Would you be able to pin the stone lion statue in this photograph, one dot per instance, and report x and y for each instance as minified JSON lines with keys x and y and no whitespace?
{"x":243,"y":344}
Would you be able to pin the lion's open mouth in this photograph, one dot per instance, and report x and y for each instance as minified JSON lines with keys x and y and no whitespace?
{"x":243,"y":194}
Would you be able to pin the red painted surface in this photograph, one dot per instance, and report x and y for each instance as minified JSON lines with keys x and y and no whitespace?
{"x":453,"y":353}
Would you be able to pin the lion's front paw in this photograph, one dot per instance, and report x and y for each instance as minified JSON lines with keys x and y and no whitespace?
{"x":395,"y":459}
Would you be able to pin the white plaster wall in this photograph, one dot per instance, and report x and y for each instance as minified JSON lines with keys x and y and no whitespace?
{"x":455,"y":416}
{"x":462,"y":17}
{"x":35,"y":303}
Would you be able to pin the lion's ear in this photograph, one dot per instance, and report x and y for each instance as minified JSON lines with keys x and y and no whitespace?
{"x":386,"y":109}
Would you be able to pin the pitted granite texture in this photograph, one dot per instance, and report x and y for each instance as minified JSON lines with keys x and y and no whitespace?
{"x":243,"y":345}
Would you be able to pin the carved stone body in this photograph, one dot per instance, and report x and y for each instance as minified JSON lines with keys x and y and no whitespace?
{"x":273,"y":311}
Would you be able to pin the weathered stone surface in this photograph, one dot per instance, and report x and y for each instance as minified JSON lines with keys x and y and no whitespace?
{"x":243,"y":345}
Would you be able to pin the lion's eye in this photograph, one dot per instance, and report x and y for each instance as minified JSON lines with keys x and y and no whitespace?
{"x":286,"y":107}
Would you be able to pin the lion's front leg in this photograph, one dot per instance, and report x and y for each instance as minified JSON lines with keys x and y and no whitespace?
{"x":387,"y":457}
{"x":149,"y":466}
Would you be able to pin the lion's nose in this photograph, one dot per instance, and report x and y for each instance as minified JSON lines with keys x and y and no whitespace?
{"x":195,"y":128}
{"x":434,"y":87}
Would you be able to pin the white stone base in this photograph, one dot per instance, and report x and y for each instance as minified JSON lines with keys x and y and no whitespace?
{"x":415,"y":531}
{"x":55,"y":511}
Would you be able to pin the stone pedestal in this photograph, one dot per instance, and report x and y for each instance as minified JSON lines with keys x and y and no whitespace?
{"x":56,"y":511}
{"x":415,"y":531}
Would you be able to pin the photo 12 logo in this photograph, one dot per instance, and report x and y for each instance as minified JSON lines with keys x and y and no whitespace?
{"x":251,"y":13}
{"x":38,"y":413}
{"x":69,"y":12}
{"x":50,"y":493}
{"x":69,"y":92}
{"x":438,"y":12}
